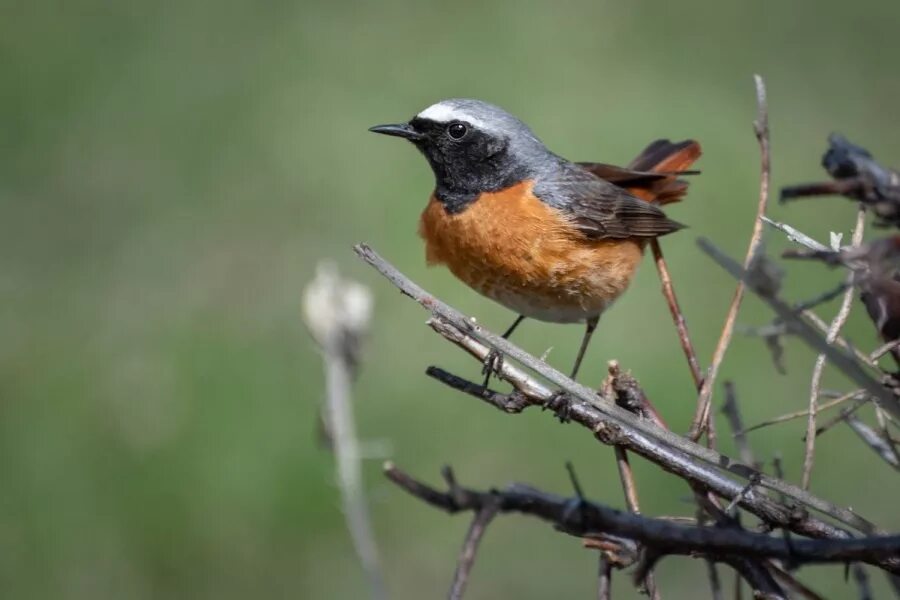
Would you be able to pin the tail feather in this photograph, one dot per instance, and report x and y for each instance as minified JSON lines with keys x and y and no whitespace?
{"x":665,"y":156}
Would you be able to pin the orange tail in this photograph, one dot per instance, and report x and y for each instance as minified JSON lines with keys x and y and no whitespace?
{"x":668,"y":157}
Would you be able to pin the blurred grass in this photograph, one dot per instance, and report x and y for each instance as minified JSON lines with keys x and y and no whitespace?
{"x":170,"y":173}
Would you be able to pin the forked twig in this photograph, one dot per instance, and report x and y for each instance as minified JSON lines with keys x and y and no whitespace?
{"x":480,"y":521}
{"x":819,"y":367}
{"x":854,"y":395}
{"x":845,"y":363}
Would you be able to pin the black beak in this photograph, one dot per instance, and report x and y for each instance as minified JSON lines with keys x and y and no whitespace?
{"x":404,"y":130}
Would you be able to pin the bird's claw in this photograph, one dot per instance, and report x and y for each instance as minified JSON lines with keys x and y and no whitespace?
{"x":560,"y":403}
{"x":492,"y":363}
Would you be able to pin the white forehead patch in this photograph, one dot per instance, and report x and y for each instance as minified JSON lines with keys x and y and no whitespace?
{"x":445,"y":112}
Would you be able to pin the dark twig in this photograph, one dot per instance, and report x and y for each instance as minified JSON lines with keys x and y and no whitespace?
{"x":859,"y":176}
{"x":715,"y":583}
{"x":509,"y":403}
{"x":613,"y":425}
{"x":628,"y":394}
{"x":480,"y":521}
{"x":862,"y":582}
{"x":738,"y":587}
{"x":828,"y":188}
{"x":761,"y":128}
{"x":791,"y":582}
{"x":846,"y":412}
{"x":826,"y":296}
{"x":582,"y":517}
{"x":731,"y":410}
{"x":758,"y":576}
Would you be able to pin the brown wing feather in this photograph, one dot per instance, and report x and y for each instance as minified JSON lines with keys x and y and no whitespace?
{"x":621,"y":176}
{"x":653,"y":174}
{"x":600,"y":209}
{"x":606,"y":201}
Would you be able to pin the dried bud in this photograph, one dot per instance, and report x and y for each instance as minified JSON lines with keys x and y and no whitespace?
{"x":337,"y":311}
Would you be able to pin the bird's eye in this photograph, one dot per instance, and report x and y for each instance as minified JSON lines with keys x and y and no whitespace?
{"x":457,"y":130}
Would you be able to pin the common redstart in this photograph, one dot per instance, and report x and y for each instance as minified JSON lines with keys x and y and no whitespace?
{"x":548,"y":238}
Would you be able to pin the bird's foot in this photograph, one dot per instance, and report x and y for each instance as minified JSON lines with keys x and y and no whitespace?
{"x":560,"y":403}
{"x":492,"y":363}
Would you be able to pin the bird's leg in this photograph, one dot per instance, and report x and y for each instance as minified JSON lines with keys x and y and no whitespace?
{"x":588,"y":332}
{"x":560,"y":401}
{"x":493,"y":362}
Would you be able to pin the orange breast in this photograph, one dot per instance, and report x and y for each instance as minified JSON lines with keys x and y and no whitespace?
{"x":516,"y":250}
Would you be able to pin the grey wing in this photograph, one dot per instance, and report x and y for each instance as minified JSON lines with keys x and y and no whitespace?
{"x":600,"y":209}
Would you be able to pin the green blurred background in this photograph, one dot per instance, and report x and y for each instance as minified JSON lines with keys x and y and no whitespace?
{"x":171,"y":173}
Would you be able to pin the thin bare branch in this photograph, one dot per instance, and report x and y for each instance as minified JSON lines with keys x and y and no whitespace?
{"x":819,"y":368}
{"x":840,"y":342}
{"x":796,"y":236}
{"x":854,"y":395}
{"x":873,"y":440}
{"x":629,"y":488}
{"x":629,"y":395}
{"x":883,"y":349}
{"x":840,"y":418}
{"x":882,"y":419}
{"x":761,"y":128}
{"x":480,"y":521}
{"x":604,"y":583}
{"x":626,"y":476}
{"x":668,"y":291}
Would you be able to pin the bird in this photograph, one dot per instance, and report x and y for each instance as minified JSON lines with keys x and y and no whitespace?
{"x":549,"y":239}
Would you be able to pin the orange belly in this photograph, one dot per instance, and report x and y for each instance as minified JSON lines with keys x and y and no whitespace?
{"x":516,"y":250}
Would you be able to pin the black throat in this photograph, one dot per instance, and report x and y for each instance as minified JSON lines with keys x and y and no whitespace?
{"x":466,"y":169}
{"x":457,"y":193}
